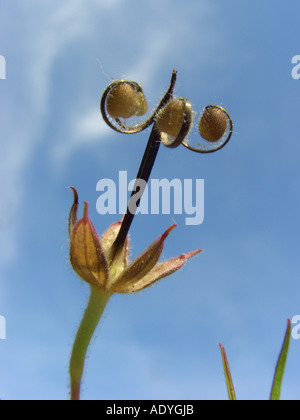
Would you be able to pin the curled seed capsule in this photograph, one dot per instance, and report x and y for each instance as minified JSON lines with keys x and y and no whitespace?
{"x":125,"y":99}
{"x":174,"y":121}
{"x":213,"y":124}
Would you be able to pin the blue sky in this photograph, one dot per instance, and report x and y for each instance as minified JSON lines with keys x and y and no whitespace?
{"x":161,"y":343}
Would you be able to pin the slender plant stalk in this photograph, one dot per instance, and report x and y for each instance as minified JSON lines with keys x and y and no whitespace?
{"x":229,"y":382}
{"x":97,"y":303}
{"x":144,"y":174}
{"x":280,"y":367}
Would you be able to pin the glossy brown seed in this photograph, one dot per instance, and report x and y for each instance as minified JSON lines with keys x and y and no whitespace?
{"x":171,"y":118}
{"x":123,"y":101}
{"x":213,"y":124}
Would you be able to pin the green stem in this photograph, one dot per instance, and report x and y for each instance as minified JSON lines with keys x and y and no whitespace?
{"x":97,"y":303}
{"x":280,"y":367}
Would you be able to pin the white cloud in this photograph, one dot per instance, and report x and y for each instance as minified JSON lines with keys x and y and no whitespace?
{"x":42,"y":33}
{"x":86,"y":129}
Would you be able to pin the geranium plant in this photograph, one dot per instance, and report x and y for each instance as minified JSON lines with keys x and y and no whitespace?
{"x":103,"y":262}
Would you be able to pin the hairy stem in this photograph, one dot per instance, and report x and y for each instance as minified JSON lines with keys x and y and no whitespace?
{"x":95,"y":308}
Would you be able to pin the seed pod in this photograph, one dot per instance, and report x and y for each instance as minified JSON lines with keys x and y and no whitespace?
{"x":174,"y":121}
{"x":213,"y":123}
{"x":125,"y":99}
{"x":171,"y":118}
